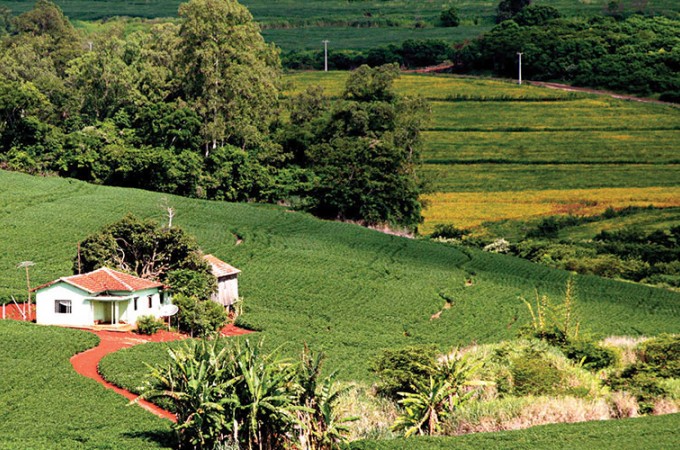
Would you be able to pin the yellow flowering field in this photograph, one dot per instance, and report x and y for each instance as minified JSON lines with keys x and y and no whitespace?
{"x":470,"y":209}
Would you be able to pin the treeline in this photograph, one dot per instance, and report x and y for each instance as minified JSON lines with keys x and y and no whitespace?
{"x":634,"y":53}
{"x":195,"y":108}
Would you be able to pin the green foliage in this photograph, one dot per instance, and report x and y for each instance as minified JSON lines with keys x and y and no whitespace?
{"x":533,"y":15}
{"x":639,"y":60}
{"x":191,"y":283}
{"x":447,"y":231}
{"x":38,"y":383}
{"x":533,"y":375}
{"x":370,"y":279}
{"x":149,"y":325}
{"x":661,"y":355}
{"x":221,"y":56}
{"x":236,"y":394}
{"x":364,"y":152}
{"x":589,"y":354}
{"x":141,"y":247}
{"x":508,"y":9}
{"x":449,"y":17}
{"x":199,"y":317}
{"x":400,"y":369}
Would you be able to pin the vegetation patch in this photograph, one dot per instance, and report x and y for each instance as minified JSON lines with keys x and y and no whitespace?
{"x":38,"y":384}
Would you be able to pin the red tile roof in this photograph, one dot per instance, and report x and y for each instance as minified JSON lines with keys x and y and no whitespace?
{"x":219,"y":267}
{"x":105,"y":279}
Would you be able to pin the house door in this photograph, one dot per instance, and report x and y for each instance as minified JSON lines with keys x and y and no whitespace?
{"x":103,"y":312}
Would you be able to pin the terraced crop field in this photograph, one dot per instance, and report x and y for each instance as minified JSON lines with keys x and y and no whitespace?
{"x":488,"y":140}
{"x":340,"y":288}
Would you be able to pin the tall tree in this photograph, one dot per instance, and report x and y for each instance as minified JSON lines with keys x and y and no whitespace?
{"x":507,"y":9}
{"x":365,"y":153}
{"x":230,"y":75}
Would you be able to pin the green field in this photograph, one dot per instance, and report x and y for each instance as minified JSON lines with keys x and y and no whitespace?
{"x":45,"y":404}
{"x":339,"y":287}
{"x":298,"y":24}
{"x":489,"y":135}
{"x":651,"y":433}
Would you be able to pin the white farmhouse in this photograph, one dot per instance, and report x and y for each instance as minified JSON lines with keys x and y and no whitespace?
{"x":101,"y":297}
{"x":227,"y":281}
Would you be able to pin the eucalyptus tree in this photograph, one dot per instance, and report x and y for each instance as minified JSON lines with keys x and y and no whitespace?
{"x":230,"y":76}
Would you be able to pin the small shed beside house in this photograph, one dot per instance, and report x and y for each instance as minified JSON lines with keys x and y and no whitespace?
{"x":227,"y":281}
{"x":102,"y":297}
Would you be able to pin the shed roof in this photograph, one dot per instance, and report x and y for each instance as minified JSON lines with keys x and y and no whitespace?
{"x":219,"y":267}
{"x":106,"y":280}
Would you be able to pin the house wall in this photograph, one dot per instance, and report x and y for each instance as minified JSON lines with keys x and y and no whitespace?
{"x":81,"y":310}
{"x":84,"y":312}
{"x":227,"y":290}
{"x":130,"y":315}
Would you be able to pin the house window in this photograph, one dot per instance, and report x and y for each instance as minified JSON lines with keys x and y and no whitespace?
{"x":150,"y":302}
{"x":134,"y":303}
{"x":62,"y":306}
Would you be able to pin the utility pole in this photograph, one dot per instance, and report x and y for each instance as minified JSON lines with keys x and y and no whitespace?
{"x":26,"y":265}
{"x":520,"y":66}
{"x":325,"y":55}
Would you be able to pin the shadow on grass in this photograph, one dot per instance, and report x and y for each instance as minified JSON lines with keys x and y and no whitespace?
{"x":165,"y":438}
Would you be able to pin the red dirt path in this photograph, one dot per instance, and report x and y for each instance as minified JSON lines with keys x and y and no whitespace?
{"x":87,"y":362}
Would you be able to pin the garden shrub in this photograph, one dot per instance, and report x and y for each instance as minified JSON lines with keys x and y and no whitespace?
{"x":399,"y":369}
{"x":199,"y":317}
{"x":149,"y":325}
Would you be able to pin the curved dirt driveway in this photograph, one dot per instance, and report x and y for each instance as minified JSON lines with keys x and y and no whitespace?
{"x":87,"y":362}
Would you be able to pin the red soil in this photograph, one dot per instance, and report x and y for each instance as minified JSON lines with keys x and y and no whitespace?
{"x":87,"y":362}
{"x":14,"y":313}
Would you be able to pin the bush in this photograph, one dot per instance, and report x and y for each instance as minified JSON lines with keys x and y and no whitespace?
{"x":449,"y":17}
{"x":400,"y":369}
{"x":199,"y":317}
{"x":661,"y":356}
{"x":149,"y":325}
{"x":447,"y":231}
{"x":534,"y":375}
{"x":670,"y":96}
{"x":594,"y":357}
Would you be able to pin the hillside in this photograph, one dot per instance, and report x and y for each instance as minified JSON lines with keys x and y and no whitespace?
{"x":338,"y":287}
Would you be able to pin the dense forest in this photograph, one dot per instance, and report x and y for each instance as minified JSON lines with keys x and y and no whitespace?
{"x":195,"y":108}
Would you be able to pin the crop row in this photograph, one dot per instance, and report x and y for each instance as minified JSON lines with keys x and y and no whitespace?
{"x":46,"y":405}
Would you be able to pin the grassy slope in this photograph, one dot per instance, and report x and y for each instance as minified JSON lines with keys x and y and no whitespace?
{"x":44,"y":404}
{"x":652,"y":433}
{"x":338,"y":287}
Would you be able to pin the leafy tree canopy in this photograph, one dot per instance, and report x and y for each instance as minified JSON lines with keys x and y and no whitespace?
{"x":141,"y":247}
{"x":507,"y":9}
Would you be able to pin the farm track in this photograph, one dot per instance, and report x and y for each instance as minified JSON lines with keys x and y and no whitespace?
{"x":87,"y":362}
